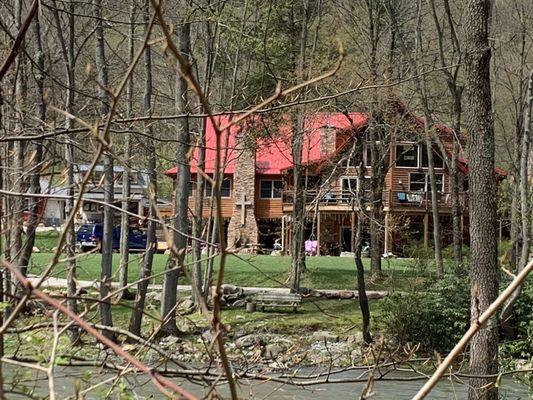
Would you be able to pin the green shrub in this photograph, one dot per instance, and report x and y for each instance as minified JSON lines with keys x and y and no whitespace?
{"x":435,"y":319}
{"x":521,"y":345}
{"x":447,"y":252}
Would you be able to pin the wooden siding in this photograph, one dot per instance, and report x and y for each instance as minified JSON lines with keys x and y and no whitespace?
{"x":267,"y":208}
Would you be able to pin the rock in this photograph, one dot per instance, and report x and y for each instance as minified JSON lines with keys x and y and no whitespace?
{"x":167,"y":252}
{"x":153,"y":296}
{"x":35,"y":250}
{"x":185,"y":326}
{"x":239,"y":303}
{"x":186,"y":304}
{"x":321,"y":336}
{"x":128,"y":347}
{"x":207,"y":336}
{"x":355,"y":356}
{"x":169,"y":341}
{"x":356,"y":338}
{"x":273,"y":350}
{"x":276,"y":253}
{"x":347,"y":254}
{"x":249,"y":341}
{"x":346,"y":294}
{"x":229,"y":289}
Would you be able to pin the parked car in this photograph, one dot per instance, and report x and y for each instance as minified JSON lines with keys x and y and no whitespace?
{"x":89,"y":236}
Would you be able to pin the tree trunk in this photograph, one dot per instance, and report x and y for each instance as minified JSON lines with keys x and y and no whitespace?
{"x":126,"y":186}
{"x":181,"y":197}
{"x":198,"y":220}
{"x":361,"y":287}
{"x":107,"y":239}
{"x":17,"y":175}
{"x":434,"y":205}
{"x":483,"y":264}
{"x":151,"y":239}
{"x":525,"y":212}
{"x":67,"y":50}
{"x":36,"y":151}
{"x":297,"y":140}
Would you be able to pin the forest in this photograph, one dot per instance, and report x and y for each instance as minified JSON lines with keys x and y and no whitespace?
{"x":282,"y":199}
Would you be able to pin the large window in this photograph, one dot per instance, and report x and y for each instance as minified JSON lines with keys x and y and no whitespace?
{"x":437,"y":159}
{"x":407,"y":155}
{"x":416,"y":156}
{"x":225,"y":188}
{"x":420,"y":182}
{"x":270,"y":189}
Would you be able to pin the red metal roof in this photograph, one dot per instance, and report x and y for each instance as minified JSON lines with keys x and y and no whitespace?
{"x":273,"y":154}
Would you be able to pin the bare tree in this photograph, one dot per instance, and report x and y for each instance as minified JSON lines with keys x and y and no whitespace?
{"x":181,"y":192}
{"x":456,"y":90}
{"x":36,"y":148}
{"x":151,"y":239}
{"x":484,"y":266}
{"x":297,"y":141}
{"x":525,"y":156}
{"x":17,"y":150}
{"x":67,"y":51}
{"x":126,"y":184}
{"x":107,"y":240}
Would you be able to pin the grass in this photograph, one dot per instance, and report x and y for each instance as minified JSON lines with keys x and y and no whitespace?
{"x":46,"y":241}
{"x":261,"y":271}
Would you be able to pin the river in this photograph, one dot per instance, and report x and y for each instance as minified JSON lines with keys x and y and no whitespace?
{"x":143,"y":389}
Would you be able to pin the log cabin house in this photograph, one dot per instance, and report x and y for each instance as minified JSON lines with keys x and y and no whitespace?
{"x":256,"y":194}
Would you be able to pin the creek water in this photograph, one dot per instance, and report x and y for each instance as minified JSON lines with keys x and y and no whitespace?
{"x":18,"y":380}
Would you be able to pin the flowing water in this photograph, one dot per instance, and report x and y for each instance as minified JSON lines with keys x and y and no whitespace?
{"x":66,"y":379}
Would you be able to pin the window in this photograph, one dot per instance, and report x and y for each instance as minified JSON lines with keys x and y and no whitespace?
{"x":225,"y":188}
{"x":270,"y":189}
{"x":418,"y":182}
{"x":91,"y":207}
{"x":437,"y":159}
{"x":407,"y":155}
{"x":349,"y":185}
{"x":368,"y":156}
{"x":192,"y":187}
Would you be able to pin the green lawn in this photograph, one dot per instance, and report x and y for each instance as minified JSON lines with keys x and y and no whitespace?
{"x":262,"y":271}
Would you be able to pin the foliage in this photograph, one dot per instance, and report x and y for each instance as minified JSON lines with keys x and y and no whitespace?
{"x":521,"y":345}
{"x":436,"y":319}
{"x":447,"y":252}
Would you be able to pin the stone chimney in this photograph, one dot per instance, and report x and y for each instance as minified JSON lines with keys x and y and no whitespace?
{"x":328,"y":141}
{"x":242,"y":229}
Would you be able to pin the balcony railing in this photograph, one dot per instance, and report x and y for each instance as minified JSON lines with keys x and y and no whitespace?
{"x":390,"y":198}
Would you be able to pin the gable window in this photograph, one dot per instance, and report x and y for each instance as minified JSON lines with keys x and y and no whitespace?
{"x":270,"y":189}
{"x":438,"y":162}
{"x":420,"y":182}
{"x":407,"y":155}
{"x":225,"y":188}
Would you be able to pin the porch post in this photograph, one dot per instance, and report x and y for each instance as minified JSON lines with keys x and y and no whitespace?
{"x":283,"y":233}
{"x":352,"y":235}
{"x":386,"y":249}
{"x":318,"y":233}
{"x":426,"y":229}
